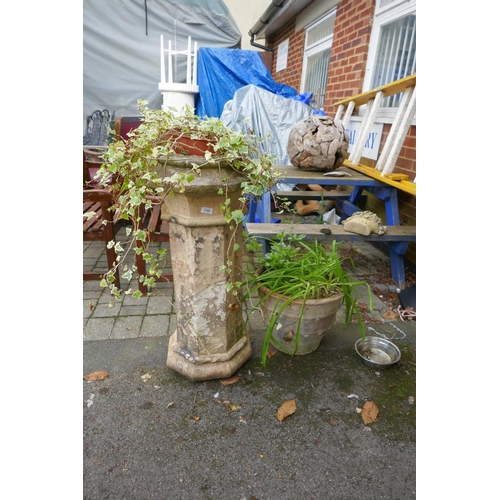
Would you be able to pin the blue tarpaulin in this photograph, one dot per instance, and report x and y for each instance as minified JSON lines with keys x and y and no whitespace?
{"x":221,"y":72}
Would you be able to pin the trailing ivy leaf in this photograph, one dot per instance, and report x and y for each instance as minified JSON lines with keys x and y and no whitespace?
{"x":141,"y":235}
{"x":127,"y":275}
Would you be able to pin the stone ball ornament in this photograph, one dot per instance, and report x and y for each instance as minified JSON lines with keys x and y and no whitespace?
{"x":318,"y":143}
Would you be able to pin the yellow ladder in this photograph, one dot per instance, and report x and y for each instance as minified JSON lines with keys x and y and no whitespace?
{"x":397,"y":134}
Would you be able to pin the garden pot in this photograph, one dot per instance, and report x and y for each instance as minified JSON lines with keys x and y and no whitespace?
{"x":317,"y":318}
{"x":191,"y":147}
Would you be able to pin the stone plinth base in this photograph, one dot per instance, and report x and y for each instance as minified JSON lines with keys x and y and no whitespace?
{"x":207,"y":367}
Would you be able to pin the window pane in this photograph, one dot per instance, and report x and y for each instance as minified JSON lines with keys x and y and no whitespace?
{"x":316,"y":71}
{"x":383,"y":3}
{"x":322,"y":30}
{"x":396,"y":54}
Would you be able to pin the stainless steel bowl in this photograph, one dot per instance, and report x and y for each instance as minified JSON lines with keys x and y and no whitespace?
{"x":377,"y":352}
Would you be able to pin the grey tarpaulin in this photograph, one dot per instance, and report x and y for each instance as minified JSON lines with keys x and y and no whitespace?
{"x":269,"y":115}
{"x":121,"y":47}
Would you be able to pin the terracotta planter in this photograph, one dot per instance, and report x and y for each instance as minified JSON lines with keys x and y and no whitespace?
{"x":191,"y":147}
{"x":318,"y":317}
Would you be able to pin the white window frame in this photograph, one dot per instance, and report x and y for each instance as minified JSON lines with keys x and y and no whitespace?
{"x":383,"y":16}
{"x":324,"y":44}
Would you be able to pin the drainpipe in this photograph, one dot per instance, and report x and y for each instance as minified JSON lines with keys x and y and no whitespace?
{"x":257,"y":44}
{"x":266,"y":17}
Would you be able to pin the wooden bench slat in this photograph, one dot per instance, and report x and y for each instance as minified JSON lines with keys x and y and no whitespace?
{"x":397,"y":239}
{"x":313,"y":195}
{"x":328,"y":232}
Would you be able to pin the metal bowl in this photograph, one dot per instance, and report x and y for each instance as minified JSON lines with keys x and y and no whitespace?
{"x":377,"y":352}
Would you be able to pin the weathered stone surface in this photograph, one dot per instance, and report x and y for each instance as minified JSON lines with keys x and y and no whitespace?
{"x":364,"y":223}
{"x":318,"y":143}
{"x":210,"y":340}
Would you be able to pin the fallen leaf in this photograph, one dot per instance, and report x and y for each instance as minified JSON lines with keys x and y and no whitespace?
{"x":270,"y":353}
{"x":369,"y":412}
{"x":233,"y":407}
{"x":286,"y":409}
{"x":99,"y":375}
{"x":196,"y":418}
{"x":145,"y":377}
{"x":229,"y":381}
{"x":390,"y":314}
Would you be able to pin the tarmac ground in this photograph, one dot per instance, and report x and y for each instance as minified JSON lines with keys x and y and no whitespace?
{"x":150,"y":433}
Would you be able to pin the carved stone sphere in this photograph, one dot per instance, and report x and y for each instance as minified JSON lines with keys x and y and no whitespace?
{"x":318,"y":143}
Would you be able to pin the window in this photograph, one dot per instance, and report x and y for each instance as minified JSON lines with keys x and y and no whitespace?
{"x":392,"y":53}
{"x":318,"y":44}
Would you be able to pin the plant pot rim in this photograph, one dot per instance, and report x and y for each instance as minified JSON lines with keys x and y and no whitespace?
{"x":280,"y":296}
{"x":192,"y":146}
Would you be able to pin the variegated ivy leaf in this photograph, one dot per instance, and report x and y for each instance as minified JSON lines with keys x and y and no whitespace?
{"x":127,"y":275}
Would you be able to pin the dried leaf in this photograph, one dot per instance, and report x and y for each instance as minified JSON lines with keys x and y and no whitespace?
{"x":390,"y":314}
{"x":369,"y":412}
{"x":229,"y":381}
{"x":270,"y":353}
{"x":145,"y":377}
{"x":99,"y":375}
{"x":286,"y":409}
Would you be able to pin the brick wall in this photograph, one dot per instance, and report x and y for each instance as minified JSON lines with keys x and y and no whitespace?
{"x":346,"y":72}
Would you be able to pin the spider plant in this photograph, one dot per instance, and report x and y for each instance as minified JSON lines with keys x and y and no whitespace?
{"x":299,"y":269}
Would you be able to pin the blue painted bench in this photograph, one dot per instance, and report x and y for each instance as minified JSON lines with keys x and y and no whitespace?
{"x":380,"y":181}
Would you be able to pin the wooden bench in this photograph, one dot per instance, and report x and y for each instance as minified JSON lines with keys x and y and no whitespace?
{"x":157,"y":229}
{"x":379,"y":181}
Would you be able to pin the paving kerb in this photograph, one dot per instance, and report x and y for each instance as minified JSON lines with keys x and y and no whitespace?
{"x":163,"y":436}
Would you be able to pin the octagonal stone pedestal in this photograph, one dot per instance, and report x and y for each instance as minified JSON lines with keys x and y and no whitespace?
{"x":210,"y":341}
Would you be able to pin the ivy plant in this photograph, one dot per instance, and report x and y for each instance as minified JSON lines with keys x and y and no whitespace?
{"x":131,"y":170}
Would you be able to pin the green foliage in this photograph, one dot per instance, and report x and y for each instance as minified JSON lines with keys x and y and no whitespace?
{"x":131,"y":171}
{"x":300,"y":270}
